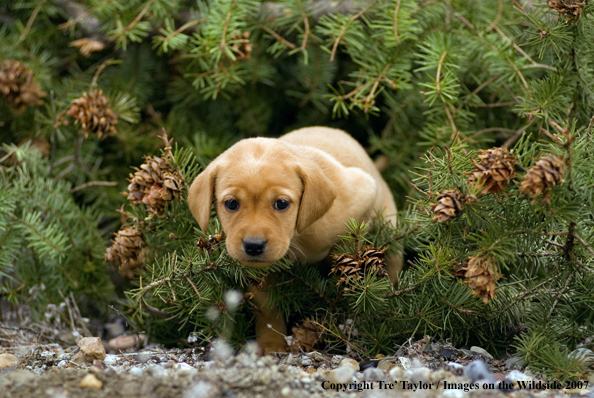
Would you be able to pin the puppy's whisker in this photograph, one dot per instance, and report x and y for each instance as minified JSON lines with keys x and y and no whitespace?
{"x":293,"y":245}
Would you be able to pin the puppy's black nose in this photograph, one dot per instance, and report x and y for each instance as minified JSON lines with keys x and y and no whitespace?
{"x":254,"y":247}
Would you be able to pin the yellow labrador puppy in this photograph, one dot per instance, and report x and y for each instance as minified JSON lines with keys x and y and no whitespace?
{"x":290,"y":195}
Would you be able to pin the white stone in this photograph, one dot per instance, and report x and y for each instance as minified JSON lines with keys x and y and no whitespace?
{"x":584,"y":355}
{"x":306,"y":361}
{"x":420,"y":375}
{"x":351,"y":363}
{"x":157,"y":371}
{"x":453,"y":394}
{"x":202,"y":389}
{"x":183,"y":366}
{"x":136,"y":371}
{"x":111,"y":359}
{"x":396,"y":373}
{"x":373,"y":374}
{"x":343,"y":374}
{"x":516,"y":375}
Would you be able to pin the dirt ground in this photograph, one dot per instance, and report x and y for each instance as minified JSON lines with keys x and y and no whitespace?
{"x":49,"y":364}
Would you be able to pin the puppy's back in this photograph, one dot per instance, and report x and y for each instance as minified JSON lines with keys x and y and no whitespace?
{"x":336,"y":143}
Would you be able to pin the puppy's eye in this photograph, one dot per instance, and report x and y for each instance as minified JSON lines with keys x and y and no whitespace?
{"x":281,"y":204}
{"x":231,"y":205}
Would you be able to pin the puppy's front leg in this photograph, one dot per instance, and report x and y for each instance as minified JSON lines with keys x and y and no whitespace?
{"x":394,"y":266}
{"x":270,"y":339}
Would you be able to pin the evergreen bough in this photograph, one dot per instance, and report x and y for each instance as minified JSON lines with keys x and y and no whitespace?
{"x":426,"y":84}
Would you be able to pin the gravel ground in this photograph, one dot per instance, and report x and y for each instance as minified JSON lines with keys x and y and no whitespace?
{"x":418,"y":370}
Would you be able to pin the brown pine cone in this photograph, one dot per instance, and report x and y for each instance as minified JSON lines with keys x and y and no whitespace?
{"x":155,"y":184}
{"x":449,"y":205}
{"x":17,"y":85}
{"x":572,"y":9}
{"x":543,"y":177}
{"x":126,"y":250}
{"x":353,"y":267}
{"x":481,"y":275}
{"x":494,"y":170}
{"x":94,"y":114}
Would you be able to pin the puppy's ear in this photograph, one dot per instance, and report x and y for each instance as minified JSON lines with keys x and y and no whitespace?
{"x":318,"y":195}
{"x":200,"y":196}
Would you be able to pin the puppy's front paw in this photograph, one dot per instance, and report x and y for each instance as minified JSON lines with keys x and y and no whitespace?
{"x":272,"y":344}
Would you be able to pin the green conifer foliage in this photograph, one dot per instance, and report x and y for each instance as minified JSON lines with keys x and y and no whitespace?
{"x":499,"y":242}
{"x":50,"y":245}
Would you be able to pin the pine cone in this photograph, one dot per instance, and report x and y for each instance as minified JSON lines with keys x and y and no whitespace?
{"x":449,"y":205}
{"x":544,"y":176}
{"x":155,"y":184}
{"x":242,"y":48}
{"x":494,"y":171}
{"x":481,"y":274}
{"x":306,"y":336}
{"x":208,"y":244}
{"x":573,"y":8}
{"x":126,"y":250}
{"x":17,"y":85}
{"x":353,"y":267}
{"x":94,"y":114}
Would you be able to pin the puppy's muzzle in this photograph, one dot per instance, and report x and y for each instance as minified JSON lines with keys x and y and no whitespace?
{"x":254,"y":247}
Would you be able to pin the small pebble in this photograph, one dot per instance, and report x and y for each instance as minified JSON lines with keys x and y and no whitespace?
{"x":157,"y":371}
{"x":440,"y":375}
{"x":8,"y":361}
{"x":185,"y":368}
{"x":336,"y":359}
{"x":385,"y":365}
{"x":92,"y":348}
{"x":373,"y":374}
{"x":306,"y":361}
{"x":343,"y":374}
{"x":143,"y":357}
{"x":585,"y":355}
{"x":396,"y":373}
{"x":405,"y":362}
{"x":202,"y":389}
{"x":350,"y":363}
{"x":111,"y":359}
{"x":91,"y":381}
{"x":420,"y":375}
{"x":516,"y":375}
{"x":453,"y":394}
{"x":136,"y":371}
{"x":126,"y":342}
{"x":478,"y":370}
{"x":291,"y":360}
{"x":481,"y":351}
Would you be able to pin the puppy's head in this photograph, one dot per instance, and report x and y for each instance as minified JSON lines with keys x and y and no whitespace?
{"x":264,"y":191}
